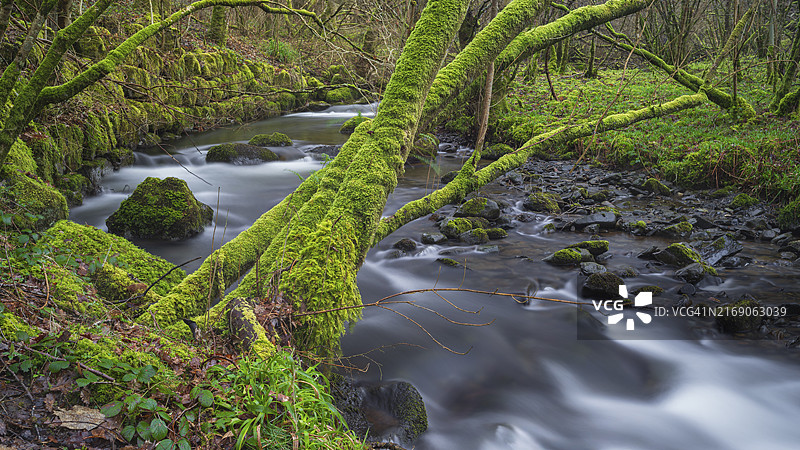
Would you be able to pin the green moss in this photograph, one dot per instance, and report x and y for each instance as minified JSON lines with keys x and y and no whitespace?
{"x":235,"y":152}
{"x":594,"y":247}
{"x":542,"y":202}
{"x":681,"y":255}
{"x":91,"y":244}
{"x":272,"y":140}
{"x":734,"y":318}
{"x":340,"y":95}
{"x":724,"y":192}
{"x":654,"y":289}
{"x":160,"y":209}
{"x":425,"y":145}
{"x":743,"y":201}
{"x":496,"y":233}
{"x":789,"y":216}
{"x":656,"y":186}
{"x":473,"y":207}
{"x":36,"y":204}
{"x":350,"y":125}
{"x":448,"y":262}
{"x":456,"y":226}
{"x":679,"y":229}
{"x":474,"y":236}
{"x":565,"y":257}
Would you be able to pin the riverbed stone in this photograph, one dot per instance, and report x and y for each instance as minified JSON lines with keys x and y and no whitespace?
{"x":479,"y":207}
{"x":589,"y":268}
{"x":681,"y":255}
{"x":743,"y":201}
{"x":453,"y":227}
{"x":240,"y":154}
{"x":656,"y":187}
{"x":545,"y":202}
{"x":730,"y":322}
{"x":496,"y":233}
{"x":605,"y":219}
{"x":692,"y":273}
{"x":680,"y":230}
{"x":604,"y":285}
{"x":381,"y":411}
{"x":792,"y":246}
{"x":433,"y":238}
{"x":405,"y":244}
{"x":160,"y":209}
{"x":474,"y":236}
{"x":720,"y":248}
{"x":565,"y":257}
{"x":595,"y":247}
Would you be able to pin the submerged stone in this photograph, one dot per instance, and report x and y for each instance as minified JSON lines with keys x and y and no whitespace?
{"x":405,"y":244}
{"x":160,"y":209}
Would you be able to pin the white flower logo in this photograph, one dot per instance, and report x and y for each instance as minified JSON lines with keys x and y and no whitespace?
{"x":641,"y":299}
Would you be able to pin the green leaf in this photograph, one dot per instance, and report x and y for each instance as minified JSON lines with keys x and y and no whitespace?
{"x":82,"y":382}
{"x":143,"y":429}
{"x":147,"y":372}
{"x":128,"y":377}
{"x":183,"y":444}
{"x":166,"y":444}
{"x":26,"y":365}
{"x":158,"y":429}
{"x":57,"y":366}
{"x":129,"y":432}
{"x":7,"y":218}
{"x":206,"y":398}
{"x":112,"y":409}
{"x":183,"y":426}
{"x":91,"y":377}
{"x":22,"y":336}
{"x":149,"y":404}
{"x":23,"y":239}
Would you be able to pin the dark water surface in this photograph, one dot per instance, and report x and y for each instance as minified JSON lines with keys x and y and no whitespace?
{"x":526,"y":382}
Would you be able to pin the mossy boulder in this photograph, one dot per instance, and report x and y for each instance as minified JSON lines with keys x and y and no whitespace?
{"x":656,"y":187}
{"x":637,"y":228}
{"x":542,"y":202}
{"x":160,"y":209}
{"x":479,"y":207}
{"x":496,"y":233}
{"x":739,"y":317}
{"x":594,"y":247}
{"x":455,"y":227}
{"x":789,"y":216}
{"x":474,"y":236}
{"x":604,"y":285}
{"x":743,"y":201}
{"x":681,"y":255}
{"x":565,"y":257}
{"x":270,"y":140}
{"x":350,"y":125}
{"x":241,"y":154}
{"x":340,"y":95}
{"x":680,"y":230}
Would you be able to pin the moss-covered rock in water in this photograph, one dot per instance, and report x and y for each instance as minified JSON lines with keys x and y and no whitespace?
{"x":603,"y":285}
{"x":479,"y":207}
{"x":594,"y":247}
{"x":637,"y":228}
{"x":789,"y":216}
{"x":739,"y":317}
{"x":496,"y":151}
{"x":243,"y":154}
{"x":678,"y":230}
{"x":350,"y":125}
{"x":565,"y":257}
{"x":455,"y":227}
{"x":160,"y":209}
{"x":743,"y":201}
{"x":496,"y":233}
{"x":656,"y":186}
{"x":542,"y":202}
{"x":474,"y":236}
{"x":681,"y":255}
{"x":270,"y":140}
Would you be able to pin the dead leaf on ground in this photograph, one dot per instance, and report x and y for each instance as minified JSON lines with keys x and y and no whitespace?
{"x":80,"y":418}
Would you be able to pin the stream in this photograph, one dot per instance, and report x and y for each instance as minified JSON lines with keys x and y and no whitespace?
{"x":526,"y":380}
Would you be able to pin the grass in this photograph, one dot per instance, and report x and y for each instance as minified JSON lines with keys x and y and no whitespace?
{"x":703,"y":148}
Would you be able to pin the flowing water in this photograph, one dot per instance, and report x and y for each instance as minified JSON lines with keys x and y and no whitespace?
{"x":526,"y":380}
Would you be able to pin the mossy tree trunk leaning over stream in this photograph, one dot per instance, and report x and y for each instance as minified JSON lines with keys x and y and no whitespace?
{"x":314,"y":242}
